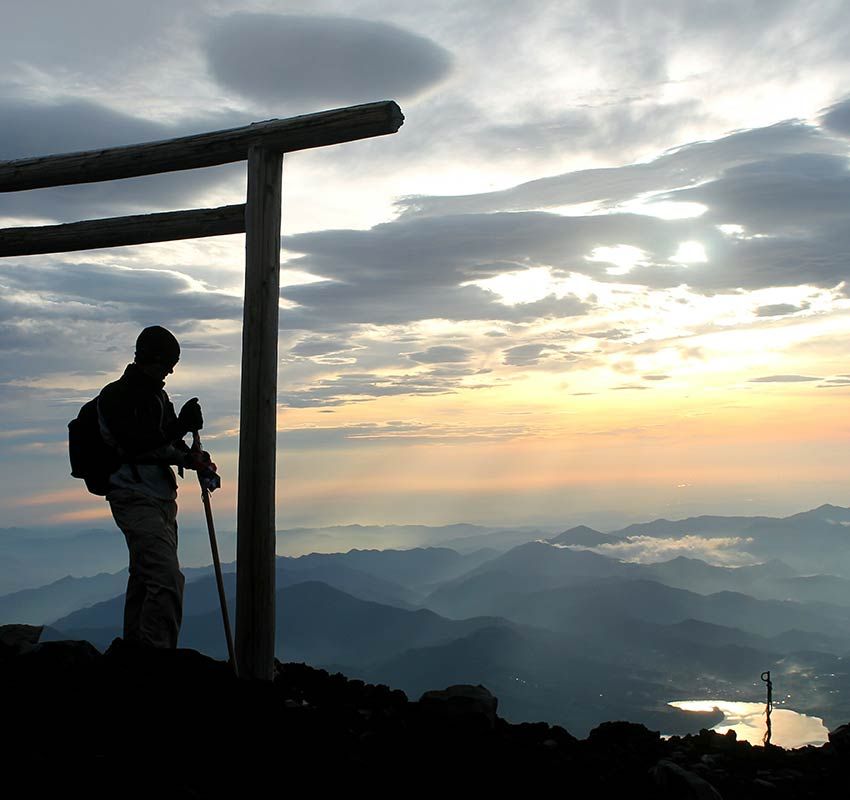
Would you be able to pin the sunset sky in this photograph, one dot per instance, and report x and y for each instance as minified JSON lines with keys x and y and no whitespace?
{"x":598,"y":276}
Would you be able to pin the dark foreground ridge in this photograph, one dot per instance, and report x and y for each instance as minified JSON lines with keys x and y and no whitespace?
{"x":133,"y":723}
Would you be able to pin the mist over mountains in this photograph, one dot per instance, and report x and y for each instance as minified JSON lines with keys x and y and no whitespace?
{"x":575,"y":628}
{"x":30,"y":558}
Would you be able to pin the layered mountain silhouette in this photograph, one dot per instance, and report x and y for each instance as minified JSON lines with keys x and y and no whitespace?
{"x":558,"y":628}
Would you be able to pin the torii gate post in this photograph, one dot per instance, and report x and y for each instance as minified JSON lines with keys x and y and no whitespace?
{"x":255,"y":523}
{"x":262,"y":145}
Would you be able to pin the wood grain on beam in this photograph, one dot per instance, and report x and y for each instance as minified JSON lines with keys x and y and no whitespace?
{"x":203,"y":150}
{"x":121,"y":231}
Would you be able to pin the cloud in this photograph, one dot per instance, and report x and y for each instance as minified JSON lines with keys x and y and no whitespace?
{"x":417,"y":269}
{"x":321,"y":59}
{"x":614,"y":334}
{"x":373,"y":434}
{"x":604,"y":130}
{"x":396,"y":300}
{"x":784,"y":379}
{"x":722,"y":550}
{"x":90,"y":40}
{"x":681,"y":166}
{"x":102,"y":292}
{"x":439,"y":354}
{"x":37,"y":129}
{"x":786,"y":188}
{"x":608,"y":83}
{"x":525,"y":355}
{"x":770,"y":195}
{"x":67,"y":329}
{"x":837,"y":118}
{"x":320,"y":347}
{"x":425,"y":266}
{"x":779,"y":309}
{"x":358,"y":387}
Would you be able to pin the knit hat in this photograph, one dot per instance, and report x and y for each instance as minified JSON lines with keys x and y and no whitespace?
{"x":157,"y":345}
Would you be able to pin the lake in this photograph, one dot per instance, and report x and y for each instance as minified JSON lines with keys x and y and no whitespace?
{"x":790,"y":728}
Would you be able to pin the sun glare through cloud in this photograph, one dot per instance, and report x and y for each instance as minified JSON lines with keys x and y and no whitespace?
{"x":690,"y":253}
{"x":624,"y":257}
{"x":523,"y":286}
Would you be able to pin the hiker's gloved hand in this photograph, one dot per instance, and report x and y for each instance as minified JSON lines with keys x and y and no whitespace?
{"x":210,"y":479}
{"x":200,"y":461}
{"x":190,"y":417}
{"x":207,"y":470}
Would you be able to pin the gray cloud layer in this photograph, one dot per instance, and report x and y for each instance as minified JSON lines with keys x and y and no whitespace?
{"x":779,"y":310}
{"x":411,"y":270}
{"x":784,"y":379}
{"x":441,"y":354}
{"x":101,"y":292}
{"x":772,"y":194}
{"x":681,"y":166}
{"x":785,"y":186}
{"x":354,"y":387}
{"x":837,"y":118}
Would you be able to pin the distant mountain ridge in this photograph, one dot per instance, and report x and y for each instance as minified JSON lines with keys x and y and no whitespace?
{"x":48,"y":603}
{"x":816,"y":541}
{"x":813,"y":541}
{"x":582,"y":535}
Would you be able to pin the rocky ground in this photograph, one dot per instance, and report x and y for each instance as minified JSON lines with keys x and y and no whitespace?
{"x":177,"y":724}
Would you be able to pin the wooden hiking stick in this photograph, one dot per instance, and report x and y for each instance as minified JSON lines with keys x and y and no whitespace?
{"x":205,"y":496}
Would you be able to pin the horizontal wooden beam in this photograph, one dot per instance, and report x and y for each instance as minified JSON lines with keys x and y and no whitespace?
{"x":121,"y":231}
{"x":202,"y":150}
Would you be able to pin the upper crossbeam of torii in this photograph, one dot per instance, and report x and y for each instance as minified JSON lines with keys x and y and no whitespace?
{"x":262,"y":145}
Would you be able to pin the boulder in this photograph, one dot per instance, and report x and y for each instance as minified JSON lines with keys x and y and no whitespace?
{"x":626,"y":743}
{"x":677,"y":783}
{"x":17,"y":639}
{"x":460,"y":702}
{"x":840,"y":740}
{"x":63,"y":655}
{"x":764,"y":788}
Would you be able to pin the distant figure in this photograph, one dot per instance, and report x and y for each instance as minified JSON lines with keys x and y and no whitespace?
{"x":768,"y":709}
{"x":137,"y":419}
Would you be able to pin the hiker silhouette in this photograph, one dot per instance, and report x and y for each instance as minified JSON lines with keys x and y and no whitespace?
{"x":137,"y":423}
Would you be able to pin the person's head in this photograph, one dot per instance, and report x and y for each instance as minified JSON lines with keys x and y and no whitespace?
{"x":157,"y":352}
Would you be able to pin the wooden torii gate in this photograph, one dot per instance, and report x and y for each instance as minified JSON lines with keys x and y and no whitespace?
{"x":262,"y":145}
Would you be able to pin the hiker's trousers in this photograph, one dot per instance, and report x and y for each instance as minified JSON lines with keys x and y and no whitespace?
{"x":153,"y":607}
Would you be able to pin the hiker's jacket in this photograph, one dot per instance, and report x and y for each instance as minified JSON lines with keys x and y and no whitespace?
{"x":137,"y":418}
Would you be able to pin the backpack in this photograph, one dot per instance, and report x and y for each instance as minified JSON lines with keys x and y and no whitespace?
{"x":92,"y":459}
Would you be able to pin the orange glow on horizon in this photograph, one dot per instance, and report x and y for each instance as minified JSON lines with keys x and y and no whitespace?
{"x":81,"y":515}
{"x":73,"y":495}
